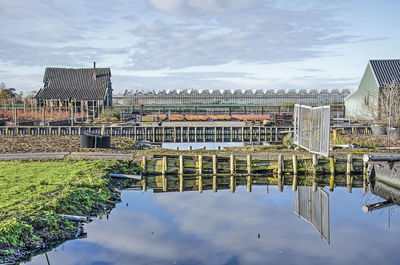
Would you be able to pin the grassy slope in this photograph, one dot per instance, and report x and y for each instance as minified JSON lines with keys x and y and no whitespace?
{"x":33,"y":192}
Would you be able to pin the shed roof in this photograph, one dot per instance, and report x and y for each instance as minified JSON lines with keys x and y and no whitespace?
{"x":386,"y":71}
{"x":80,"y":84}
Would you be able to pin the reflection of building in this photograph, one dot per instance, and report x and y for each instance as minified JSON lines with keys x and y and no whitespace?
{"x":232,"y":101}
{"x":314,"y":208}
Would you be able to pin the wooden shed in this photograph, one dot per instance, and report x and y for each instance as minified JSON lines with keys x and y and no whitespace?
{"x":84,"y":89}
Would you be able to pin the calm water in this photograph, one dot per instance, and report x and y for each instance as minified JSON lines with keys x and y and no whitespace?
{"x":223,"y":228}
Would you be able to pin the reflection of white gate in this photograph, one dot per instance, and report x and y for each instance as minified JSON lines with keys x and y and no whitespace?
{"x":314,"y":208}
{"x":311,"y":128}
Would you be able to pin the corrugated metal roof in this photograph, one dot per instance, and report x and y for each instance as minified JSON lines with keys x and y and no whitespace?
{"x":386,"y":71}
{"x":66,"y":83}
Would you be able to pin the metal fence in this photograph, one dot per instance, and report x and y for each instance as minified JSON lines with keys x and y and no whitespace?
{"x":311,"y":128}
{"x":314,"y":208}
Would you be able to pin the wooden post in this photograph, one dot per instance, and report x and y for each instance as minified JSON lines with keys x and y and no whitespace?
{"x":44,"y":116}
{"x":200,"y":173}
{"x":280,"y":164}
{"x":349,"y":164}
{"x":349,"y":178}
{"x":215,"y":187}
{"x":314,"y":163}
{"x":232,"y":169}
{"x":164,"y":169}
{"x":294,"y":184}
{"x":144,"y":165}
{"x":365,"y":178}
{"x":249,"y":178}
{"x":181,"y":173}
{"x":332,"y":165}
{"x":294,"y":158}
{"x":15,"y":117}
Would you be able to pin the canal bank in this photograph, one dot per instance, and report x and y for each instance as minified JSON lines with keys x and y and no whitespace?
{"x":35,"y":193}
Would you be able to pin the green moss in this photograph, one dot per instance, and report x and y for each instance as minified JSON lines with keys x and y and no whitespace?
{"x":32,"y":193}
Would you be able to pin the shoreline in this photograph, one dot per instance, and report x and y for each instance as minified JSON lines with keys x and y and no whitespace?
{"x":39,"y":229}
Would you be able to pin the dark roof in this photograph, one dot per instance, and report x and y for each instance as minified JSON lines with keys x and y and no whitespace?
{"x":65,"y":83}
{"x":386,"y":71}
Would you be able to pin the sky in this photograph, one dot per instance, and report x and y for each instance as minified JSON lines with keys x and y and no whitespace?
{"x":202,"y":44}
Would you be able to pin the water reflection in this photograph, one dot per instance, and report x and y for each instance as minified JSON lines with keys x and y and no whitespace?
{"x":313,"y":206}
{"x":229,"y":228}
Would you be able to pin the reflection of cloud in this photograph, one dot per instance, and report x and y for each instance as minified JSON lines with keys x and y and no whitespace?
{"x":222,"y":228}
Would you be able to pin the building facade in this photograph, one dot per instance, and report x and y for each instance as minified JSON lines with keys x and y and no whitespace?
{"x":85,"y":89}
{"x":377,"y":74}
{"x":232,"y":101}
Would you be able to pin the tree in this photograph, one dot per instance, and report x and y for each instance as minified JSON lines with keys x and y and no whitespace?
{"x":7,"y":92}
{"x":389,"y":95}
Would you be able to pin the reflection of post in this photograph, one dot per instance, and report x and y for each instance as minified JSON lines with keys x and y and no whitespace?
{"x":164,"y":169}
{"x":232,"y":167}
{"x":332,"y":182}
{"x":294,"y":186}
{"x":47,"y":259}
{"x":144,"y":168}
{"x":249,"y":179}
{"x":375,"y":206}
{"x":280,"y":169}
{"x":365,"y":180}
{"x":349,"y":178}
{"x":214,"y":158}
{"x":201,"y":173}
{"x":180,"y":173}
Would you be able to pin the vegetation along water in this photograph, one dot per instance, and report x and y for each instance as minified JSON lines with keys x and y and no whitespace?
{"x":34,"y":193}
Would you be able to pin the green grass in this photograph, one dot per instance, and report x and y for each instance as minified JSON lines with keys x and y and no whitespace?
{"x":33,"y":192}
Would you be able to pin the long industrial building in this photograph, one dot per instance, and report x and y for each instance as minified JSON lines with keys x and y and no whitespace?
{"x":218,"y":101}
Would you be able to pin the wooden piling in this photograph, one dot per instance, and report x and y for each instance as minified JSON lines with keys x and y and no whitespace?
{"x":164,"y":169}
{"x":249,"y":178}
{"x":349,"y":164}
{"x":314,"y":163}
{"x":280,"y":164}
{"x":200,"y":173}
{"x":144,"y":165}
{"x":232,"y":169}
{"x":294,"y":159}
{"x":332,"y":165}
{"x":214,"y":163}
{"x":181,"y":173}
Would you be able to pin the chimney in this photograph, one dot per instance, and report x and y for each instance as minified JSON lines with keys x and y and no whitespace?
{"x":94,"y":76}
